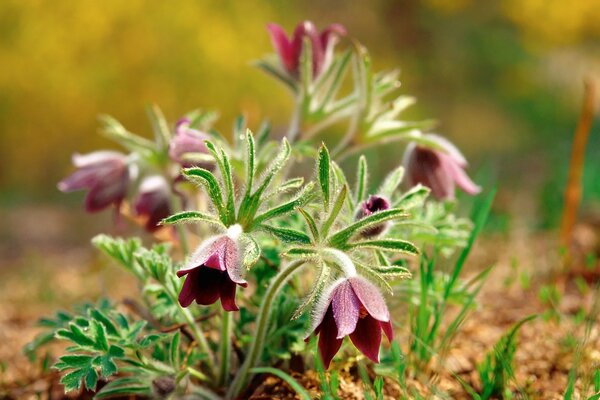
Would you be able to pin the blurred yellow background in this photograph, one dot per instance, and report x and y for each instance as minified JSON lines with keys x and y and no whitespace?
{"x":502,"y":77}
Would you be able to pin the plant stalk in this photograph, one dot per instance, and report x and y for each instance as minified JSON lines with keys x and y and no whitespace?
{"x":262,"y":324}
{"x":225,"y":347}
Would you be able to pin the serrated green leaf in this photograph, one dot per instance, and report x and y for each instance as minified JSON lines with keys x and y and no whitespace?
{"x":99,"y":336}
{"x":76,"y":335}
{"x":286,"y":234}
{"x":91,"y":379}
{"x":394,"y":245}
{"x":323,"y":166}
{"x":116,"y":352}
{"x":342,"y":236}
{"x":111,"y":329}
{"x":190,"y":217}
{"x":72,"y":380}
{"x":107,"y":366}
{"x":73,"y":361}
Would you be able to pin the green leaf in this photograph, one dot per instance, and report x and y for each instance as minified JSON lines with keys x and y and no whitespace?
{"x":250,"y":162}
{"x":316,"y":292}
{"x":323,"y":165}
{"x":284,"y":376}
{"x":301,"y":199}
{"x":286,"y":234}
{"x":415,"y":197}
{"x":271,"y":68}
{"x":393,"y":271}
{"x":226,"y":174}
{"x":362,"y":176}
{"x":335,"y":211}
{"x":111,"y":329}
{"x":127,"y":386}
{"x":391,"y":182}
{"x":113,"y":129}
{"x":76,"y":335}
{"x":72,"y":380}
{"x":275,"y":166}
{"x":100,"y":336}
{"x":190,"y":217}
{"x":107,"y":365}
{"x":174,"y":352}
{"x":311,"y":224}
{"x":73,"y":361}
{"x":162,"y":133}
{"x":207,"y":179}
{"x":342,"y":236}
{"x":301,"y":252}
{"x":394,"y":245}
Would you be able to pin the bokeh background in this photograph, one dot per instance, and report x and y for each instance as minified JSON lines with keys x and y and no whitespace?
{"x":503,"y":78}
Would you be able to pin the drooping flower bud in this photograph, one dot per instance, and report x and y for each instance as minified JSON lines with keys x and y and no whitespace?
{"x":289,"y":49}
{"x":106,"y":174}
{"x":441,"y":169}
{"x":153,"y":201}
{"x":353,"y":307}
{"x":214,"y":271}
{"x":372,"y":205}
{"x":186,"y":142}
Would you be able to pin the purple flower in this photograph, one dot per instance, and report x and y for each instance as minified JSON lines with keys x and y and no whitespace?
{"x":105,"y":174}
{"x":372,"y":205}
{"x":153,"y":201}
{"x":185,"y":141}
{"x":213,"y":272}
{"x":290,"y":49}
{"x":439,"y":169}
{"x":353,"y":307}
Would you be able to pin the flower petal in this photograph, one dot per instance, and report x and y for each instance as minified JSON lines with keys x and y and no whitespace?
{"x":371,"y":298}
{"x":320,"y":308}
{"x":228,"y":288}
{"x":346,"y":308}
{"x":367,"y":337}
{"x":388,"y":329}
{"x":283,"y":47}
{"x":187,"y":296}
{"x":449,"y":148}
{"x":231,"y":259}
{"x":104,"y":194}
{"x":462,"y":179}
{"x":329,"y":344}
{"x":200,"y":255}
{"x":97,"y":157}
{"x":207,"y":285}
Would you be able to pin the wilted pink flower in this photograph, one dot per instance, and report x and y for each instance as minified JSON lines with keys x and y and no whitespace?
{"x":438,"y":169}
{"x":105,"y":174}
{"x":185,"y":141}
{"x":213,"y":272}
{"x":153,"y":201}
{"x":353,"y":307}
{"x":372,"y":205}
{"x":290,"y":49}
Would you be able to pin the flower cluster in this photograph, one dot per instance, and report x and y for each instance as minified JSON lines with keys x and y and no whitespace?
{"x":351,"y":241}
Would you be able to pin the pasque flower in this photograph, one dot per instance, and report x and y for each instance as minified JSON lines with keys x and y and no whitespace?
{"x":290,"y":49}
{"x":441,"y":168}
{"x":153,"y":201}
{"x":352,"y":307}
{"x":370,"y":206}
{"x":106,"y":174}
{"x":186,"y":141}
{"x":214,"y":271}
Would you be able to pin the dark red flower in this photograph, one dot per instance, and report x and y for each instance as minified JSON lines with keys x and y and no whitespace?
{"x":290,"y":49}
{"x":353,"y":307}
{"x":106,"y":174}
{"x":153,"y":201}
{"x":372,"y":205}
{"x":213,"y":272}
{"x":441,"y":169}
{"x":186,"y":142}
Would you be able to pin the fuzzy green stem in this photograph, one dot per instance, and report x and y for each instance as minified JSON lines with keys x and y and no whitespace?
{"x":225,"y":347}
{"x":262,"y":324}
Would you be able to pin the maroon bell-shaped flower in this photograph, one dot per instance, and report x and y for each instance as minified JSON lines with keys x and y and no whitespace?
{"x":214,"y":271}
{"x":153,"y":201}
{"x":106,"y":174}
{"x":353,"y":307}
{"x":370,"y":206}
{"x":186,"y":142}
{"x":441,"y":169}
{"x":290,"y":49}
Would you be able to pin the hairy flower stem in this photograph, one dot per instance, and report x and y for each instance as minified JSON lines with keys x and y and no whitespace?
{"x":294,"y":127}
{"x":225,"y":347}
{"x":262,"y":324}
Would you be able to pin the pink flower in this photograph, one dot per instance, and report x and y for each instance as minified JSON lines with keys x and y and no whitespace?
{"x":353,"y":307}
{"x":439,"y":169}
{"x":185,"y":141}
{"x":290,"y":49}
{"x":105,"y":174}
{"x":213,"y":272}
{"x":372,"y":205}
{"x":153,"y":201}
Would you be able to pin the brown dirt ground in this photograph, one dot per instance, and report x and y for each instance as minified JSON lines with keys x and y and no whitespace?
{"x":45,"y":276}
